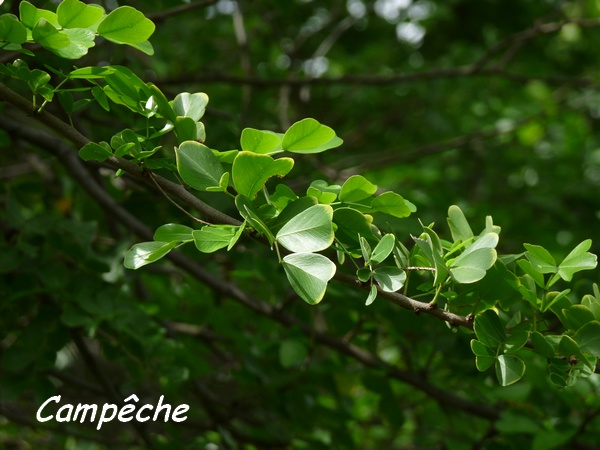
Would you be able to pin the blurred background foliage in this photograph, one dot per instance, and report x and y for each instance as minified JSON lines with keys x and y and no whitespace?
{"x":492,"y":105}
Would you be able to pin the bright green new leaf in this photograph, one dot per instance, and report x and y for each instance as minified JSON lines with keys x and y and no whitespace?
{"x":80,"y":40}
{"x":259,"y":141}
{"x":30,"y":15}
{"x":390,"y":278}
{"x":392,"y":204}
{"x":76,"y":14}
{"x":579,"y":259}
{"x":173,"y":232}
{"x":126,"y":25}
{"x":588,"y":338}
{"x":95,"y":152}
{"x":309,"y":231}
{"x":190,"y":105}
{"x":372,"y":295}
{"x":308,"y":274}
{"x":45,"y":34}
{"x":11,"y":30}
{"x":292,"y":353}
{"x":323,"y":192}
{"x":489,"y":329}
{"x":307,"y":136}
{"x":356,"y":188}
{"x":198,"y":166}
{"x":144,"y":47}
{"x":540,"y":258}
{"x":383,"y":249}
{"x":211,"y":238}
{"x":459,"y":227}
{"x":485,"y":357}
{"x":146,"y":252}
{"x":251,"y":171}
{"x":509,"y":369}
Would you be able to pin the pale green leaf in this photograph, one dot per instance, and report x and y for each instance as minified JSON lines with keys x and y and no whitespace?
{"x":190,"y":105}
{"x":509,"y":369}
{"x":383,"y":249}
{"x":579,"y":259}
{"x":390,"y":278}
{"x":211,"y":238}
{"x":372,"y":295}
{"x":309,"y":231}
{"x":146,"y":252}
{"x":459,"y":227}
{"x":308,"y":274}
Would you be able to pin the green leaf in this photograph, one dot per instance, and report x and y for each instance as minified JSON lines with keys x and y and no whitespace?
{"x":144,"y":47}
{"x":164,"y":108}
{"x":290,"y":211}
{"x":198,"y":166}
{"x":383,"y":249}
{"x":489,"y":329}
{"x":509,"y":369}
{"x":251,"y":171}
{"x":30,"y":15}
{"x":308,"y":274}
{"x":364,"y":274}
{"x":351,"y":223}
{"x":578,"y":316}
{"x":146,"y":252}
{"x":323,"y":192}
{"x":528,"y":268}
{"x":309,"y":231}
{"x":11,"y":30}
{"x":173,"y":232}
{"x":588,"y":338}
{"x":356,"y":188}
{"x":259,"y":141}
{"x":372,"y":295}
{"x":307,"y":136}
{"x":541,"y":345}
{"x":474,"y":262}
{"x":292,"y":353}
{"x":569,"y":348}
{"x":252,"y":217}
{"x":459,"y":227}
{"x":211,"y":238}
{"x":392,"y":204}
{"x":76,"y":14}
{"x":236,"y":236}
{"x":515,"y":341}
{"x":126,"y":25}
{"x":365,"y":249}
{"x":45,"y":34}
{"x":95,"y":152}
{"x":190,"y":105}
{"x":390,"y":278}
{"x":485,"y":356}
{"x":540,"y":258}
{"x":579,"y":259}
{"x":80,"y":40}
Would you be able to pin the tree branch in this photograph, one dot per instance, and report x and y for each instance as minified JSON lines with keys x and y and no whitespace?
{"x":77,"y":170}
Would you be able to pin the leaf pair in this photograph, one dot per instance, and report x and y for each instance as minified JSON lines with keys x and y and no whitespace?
{"x":305,"y":136}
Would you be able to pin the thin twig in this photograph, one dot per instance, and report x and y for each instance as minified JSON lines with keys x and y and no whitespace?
{"x":153,"y":178}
